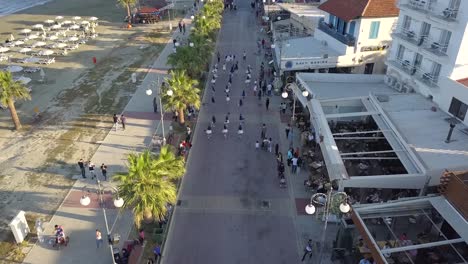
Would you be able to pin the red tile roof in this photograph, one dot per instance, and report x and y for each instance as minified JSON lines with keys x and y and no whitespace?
{"x":463,"y":81}
{"x":352,"y":9}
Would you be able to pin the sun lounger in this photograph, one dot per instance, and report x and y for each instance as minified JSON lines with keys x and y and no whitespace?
{"x":31,"y":70}
{"x":47,"y":61}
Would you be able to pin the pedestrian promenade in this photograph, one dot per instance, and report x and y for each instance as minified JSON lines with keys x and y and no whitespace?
{"x":81,"y":222}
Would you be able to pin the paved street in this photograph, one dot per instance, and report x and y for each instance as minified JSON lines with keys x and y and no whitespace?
{"x":231,"y":207}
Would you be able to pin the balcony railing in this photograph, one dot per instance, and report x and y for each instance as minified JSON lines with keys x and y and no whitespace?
{"x":433,"y":8}
{"x":426,"y":42}
{"x":416,"y":72}
{"x":409,"y":36}
{"x":434,"y":47}
{"x":345,"y":39}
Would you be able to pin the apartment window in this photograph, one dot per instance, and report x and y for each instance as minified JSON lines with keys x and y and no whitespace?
{"x":374,"y":30}
{"x":444,"y":40}
{"x":435,"y":72}
{"x":406,"y":22}
{"x":458,"y":108}
{"x":352,"y":27}
{"x":400,"y":52}
{"x":331,"y":20}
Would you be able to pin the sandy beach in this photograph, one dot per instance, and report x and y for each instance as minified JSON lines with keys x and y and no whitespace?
{"x":76,"y":100}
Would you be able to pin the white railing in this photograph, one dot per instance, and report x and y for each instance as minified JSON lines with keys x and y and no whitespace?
{"x":424,"y":76}
{"x":434,"y":8}
{"x":435,"y":47}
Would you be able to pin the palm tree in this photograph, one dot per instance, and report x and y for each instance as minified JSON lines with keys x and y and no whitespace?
{"x":127,"y":4}
{"x":150,"y":183}
{"x":187,"y":59}
{"x":10,"y":91}
{"x":185,"y":93}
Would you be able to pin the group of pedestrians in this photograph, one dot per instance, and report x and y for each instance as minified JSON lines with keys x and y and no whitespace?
{"x":91,"y":169}
{"x":122,"y":120}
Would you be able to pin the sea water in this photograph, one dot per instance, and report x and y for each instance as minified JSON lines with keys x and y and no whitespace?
{"x":12,"y":6}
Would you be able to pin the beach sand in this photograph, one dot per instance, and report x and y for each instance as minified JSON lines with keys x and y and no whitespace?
{"x":77,"y":101}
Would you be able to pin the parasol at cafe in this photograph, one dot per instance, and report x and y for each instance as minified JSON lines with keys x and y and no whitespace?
{"x":60,"y":45}
{"x":56,"y":26}
{"x":76,"y":18}
{"x":53,"y":37}
{"x":14,"y":68}
{"x":73,"y":39}
{"x":18,"y":42}
{"x":84,"y":22}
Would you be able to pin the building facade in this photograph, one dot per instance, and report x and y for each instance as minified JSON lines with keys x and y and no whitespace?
{"x":352,"y":37}
{"x":429,"y":53}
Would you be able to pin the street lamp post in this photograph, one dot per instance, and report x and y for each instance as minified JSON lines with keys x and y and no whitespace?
{"x":327,"y":200}
{"x":285,"y":95}
{"x":85,"y":200}
{"x":169,"y":92}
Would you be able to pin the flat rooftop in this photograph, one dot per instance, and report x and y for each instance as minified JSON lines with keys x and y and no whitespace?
{"x":304,"y":48}
{"x":411,"y":118}
{"x":302,"y":10}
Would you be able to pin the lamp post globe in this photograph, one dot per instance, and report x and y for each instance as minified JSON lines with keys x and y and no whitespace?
{"x":192,"y":17}
{"x":203,"y":17}
{"x":85,"y":200}
{"x":305,"y":93}
{"x":345,"y":208}
{"x":279,"y":18}
{"x":149,"y":92}
{"x":273,"y":46}
{"x":284,"y":94}
{"x":191,"y":44}
{"x":118,"y":202}
{"x":310,"y":209}
{"x":169,"y":92}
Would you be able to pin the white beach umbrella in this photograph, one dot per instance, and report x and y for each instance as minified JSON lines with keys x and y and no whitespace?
{"x":72,"y":39}
{"x":74,"y":27}
{"x":39,"y":44}
{"x":38,"y":26}
{"x":49,"y":21}
{"x":19,"y":42}
{"x":25,"y":31}
{"x":14,"y":68}
{"x":33,"y":36}
{"x":25,"y":50}
{"x":76,"y":18}
{"x":84,"y":22}
{"x":24,"y":80}
{"x":56,"y":26}
{"x":58,"y":17}
{"x":66,"y":22}
{"x":46,"y":53}
{"x":53,"y":37}
{"x":4,"y":49}
{"x":60,"y":45}
{"x":93,"y":19}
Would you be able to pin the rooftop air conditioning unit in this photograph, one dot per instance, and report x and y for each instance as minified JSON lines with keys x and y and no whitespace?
{"x":389,"y":80}
{"x":325,"y":56}
{"x":398,"y":86}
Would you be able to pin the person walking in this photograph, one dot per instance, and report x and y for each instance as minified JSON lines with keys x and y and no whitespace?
{"x":104,"y":171}
{"x":180,"y":27}
{"x":155,"y":105}
{"x":241,"y":119}
{"x":183,"y":28}
{"x":98,"y":238}
{"x":240,"y":102}
{"x":263,"y":132}
{"x":157,"y":252}
{"x":123,"y":121}
{"x":257,"y":145}
{"x":283,"y":107}
{"x":116,"y":121}
{"x":218,"y":56}
{"x":307,"y":250}
{"x":225,"y":131}
{"x":226,"y":119}
{"x":82,"y":168}
{"x":276,"y":149}
{"x":270,"y":145}
{"x":212,"y":99}
{"x":240,"y":131}
{"x":213,"y":121}
{"x":294,"y":164}
{"x":267,"y":103}
{"x":269,"y":86}
{"x":243,"y":94}
{"x":91,"y":167}
{"x":287,"y":129}
{"x":244,"y":56}
{"x":259,"y":95}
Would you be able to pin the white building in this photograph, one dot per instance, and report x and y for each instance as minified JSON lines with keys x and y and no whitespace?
{"x":353,"y":38}
{"x":430,"y":53}
{"x":372,"y":136}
